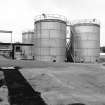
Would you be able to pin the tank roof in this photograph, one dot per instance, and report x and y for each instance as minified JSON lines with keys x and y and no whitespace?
{"x":50,"y":20}
{"x":53,"y":17}
{"x":27,"y":32}
{"x":86,"y":22}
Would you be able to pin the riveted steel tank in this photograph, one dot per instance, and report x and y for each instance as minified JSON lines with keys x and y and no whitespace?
{"x":50,"y":38}
{"x":27,"y":38}
{"x":85,"y":40}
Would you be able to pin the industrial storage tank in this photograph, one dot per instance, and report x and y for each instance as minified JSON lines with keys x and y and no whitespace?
{"x":27,"y":38}
{"x":50,"y":38}
{"x":85,"y":39}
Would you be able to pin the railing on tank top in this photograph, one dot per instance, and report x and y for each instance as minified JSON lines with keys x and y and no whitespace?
{"x":80,"y":21}
{"x":50,"y":16}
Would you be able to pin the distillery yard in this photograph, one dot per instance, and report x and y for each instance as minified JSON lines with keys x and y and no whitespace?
{"x":53,"y":67}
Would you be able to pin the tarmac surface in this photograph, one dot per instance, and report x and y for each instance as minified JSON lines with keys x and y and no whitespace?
{"x":64,"y":83}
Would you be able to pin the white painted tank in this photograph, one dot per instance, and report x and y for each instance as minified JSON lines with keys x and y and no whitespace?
{"x":50,"y":38}
{"x":86,"y":40}
{"x":27,"y":38}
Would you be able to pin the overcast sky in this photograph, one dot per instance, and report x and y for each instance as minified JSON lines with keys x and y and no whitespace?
{"x":18,"y":15}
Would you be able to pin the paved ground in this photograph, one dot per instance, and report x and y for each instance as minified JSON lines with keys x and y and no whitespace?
{"x":3,"y":91}
{"x":68,"y":83}
{"x":63,"y":84}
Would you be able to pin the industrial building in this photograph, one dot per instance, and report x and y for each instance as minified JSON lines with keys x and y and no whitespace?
{"x":50,"y":42}
{"x":42,"y":74}
{"x":27,"y":38}
{"x":85,"y":40}
{"x":50,"y":38}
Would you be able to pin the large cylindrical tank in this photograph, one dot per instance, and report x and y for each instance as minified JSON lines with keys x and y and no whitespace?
{"x":27,"y":38}
{"x":50,"y":39}
{"x":85,"y":39}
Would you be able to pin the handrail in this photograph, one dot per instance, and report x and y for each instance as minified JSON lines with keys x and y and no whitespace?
{"x":50,"y":16}
{"x":93,"y":21}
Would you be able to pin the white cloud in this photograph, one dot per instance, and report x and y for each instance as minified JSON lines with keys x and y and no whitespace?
{"x":18,"y":15}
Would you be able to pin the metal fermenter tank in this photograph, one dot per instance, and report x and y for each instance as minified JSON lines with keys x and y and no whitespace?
{"x":85,"y":35}
{"x":50,"y":38}
{"x":27,"y":38}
